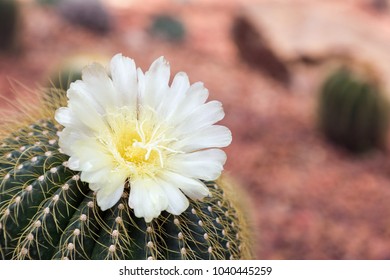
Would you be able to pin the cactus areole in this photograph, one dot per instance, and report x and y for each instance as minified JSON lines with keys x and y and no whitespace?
{"x":125,"y":167}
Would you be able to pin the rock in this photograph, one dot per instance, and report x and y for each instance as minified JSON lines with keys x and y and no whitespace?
{"x":277,"y":34}
{"x":254,"y":49}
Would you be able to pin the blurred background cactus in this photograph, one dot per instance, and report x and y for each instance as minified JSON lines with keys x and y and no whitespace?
{"x":380,"y":5}
{"x":48,"y":2}
{"x":9,"y":25}
{"x":353,"y":111}
{"x":91,"y":14}
{"x":168,"y":27}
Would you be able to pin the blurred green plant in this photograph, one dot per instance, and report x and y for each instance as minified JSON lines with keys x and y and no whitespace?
{"x":168,"y":27}
{"x":9,"y":25}
{"x":48,"y":2}
{"x":353,"y":113}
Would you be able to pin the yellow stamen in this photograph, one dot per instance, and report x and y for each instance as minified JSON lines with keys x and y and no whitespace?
{"x":141,"y":146}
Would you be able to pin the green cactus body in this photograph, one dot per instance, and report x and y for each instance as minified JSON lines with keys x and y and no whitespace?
{"x":353,"y":113}
{"x":47,"y":212}
{"x":65,"y":77}
{"x":9,"y":21}
{"x":48,"y":2}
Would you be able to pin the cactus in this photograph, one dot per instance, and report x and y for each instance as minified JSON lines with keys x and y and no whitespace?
{"x":48,"y":2}
{"x":9,"y":21}
{"x":353,"y":112}
{"x":65,"y":77}
{"x":379,"y":5}
{"x":47,"y":212}
{"x":168,"y":27}
{"x":91,"y":14}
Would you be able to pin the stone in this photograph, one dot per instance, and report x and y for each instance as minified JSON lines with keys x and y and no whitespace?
{"x":275,"y":35}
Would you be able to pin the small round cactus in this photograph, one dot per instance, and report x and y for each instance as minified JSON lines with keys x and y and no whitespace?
{"x":379,"y":5}
{"x":168,"y":27}
{"x":91,"y":14}
{"x":353,"y":112}
{"x":48,"y":2}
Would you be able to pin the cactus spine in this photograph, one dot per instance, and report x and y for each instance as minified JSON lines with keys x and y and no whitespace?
{"x":46,"y":212}
{"x":353,"y":112}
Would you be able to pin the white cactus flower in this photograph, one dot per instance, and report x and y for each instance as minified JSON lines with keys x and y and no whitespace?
{"x":127,"y":129}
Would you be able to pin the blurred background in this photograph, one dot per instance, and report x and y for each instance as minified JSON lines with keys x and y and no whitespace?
{"x":305,"y":87}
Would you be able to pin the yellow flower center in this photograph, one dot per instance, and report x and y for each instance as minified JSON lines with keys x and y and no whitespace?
{"x":136,"y":146}
{"x":140,"y":146}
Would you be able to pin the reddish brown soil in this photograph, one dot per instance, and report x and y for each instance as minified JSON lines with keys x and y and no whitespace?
{"x":310,"y":200}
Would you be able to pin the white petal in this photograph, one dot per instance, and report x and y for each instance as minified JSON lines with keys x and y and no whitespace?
{"x":100,"y":86}
{"x":67,"y":138}
{"x":67,"y":118}
{"x":95,"y":175}
{"x":205,"y":165}
{"x":141,"y":83}
{"x":174,"y":96}
{"x":108,"y":197}
{"x":215,"y":136}
{"x":74,"y":163}
{"x":101,"y":169}
{"x":147,"y":198}
{"x":177,"y":202}
{"x":156,"y":82}
{"x":124,"y":77}
{"x":110,"y":190}
{"x":193,"y":188}
{"x":195,"y":96}
{"x":92,"y":155}
{"x":87,"y":115}
{"x":205,"y":115}
{"x":96,"y":186}
{"x":81,"y":90}
{"x":63,"y":116}
{"x":180,"y":84}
